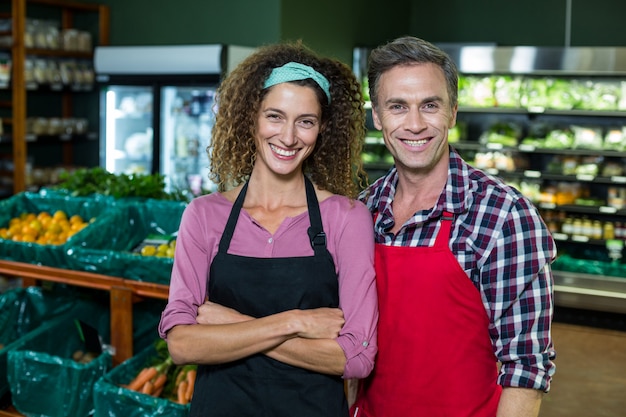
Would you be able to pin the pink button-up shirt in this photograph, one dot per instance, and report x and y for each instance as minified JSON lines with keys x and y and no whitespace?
{"x":350,"y":241}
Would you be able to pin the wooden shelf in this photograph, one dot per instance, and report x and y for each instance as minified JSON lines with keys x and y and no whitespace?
{"x":123,"y":293}
{"x":69,"y":9}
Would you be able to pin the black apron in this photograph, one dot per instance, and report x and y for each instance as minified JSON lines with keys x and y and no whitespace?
{"x":257,"y":385}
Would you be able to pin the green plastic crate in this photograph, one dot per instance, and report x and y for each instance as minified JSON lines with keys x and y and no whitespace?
{"x":44,"y":379}
{"x":134,"y":221}
{"x":22,"y":311}
{"x":52,"y":255}
{"x":112,"y":400}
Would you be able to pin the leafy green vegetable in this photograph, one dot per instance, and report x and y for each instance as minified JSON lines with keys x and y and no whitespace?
{"x":88,"y":181}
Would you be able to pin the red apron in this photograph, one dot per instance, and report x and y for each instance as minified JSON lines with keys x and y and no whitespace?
{"x":435,"y":356}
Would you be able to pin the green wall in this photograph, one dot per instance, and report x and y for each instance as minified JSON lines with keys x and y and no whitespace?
{"x":331,"y":27}
{"x":335,"y":27}
{"x":532,"y":22}
{"x":166,"y":22}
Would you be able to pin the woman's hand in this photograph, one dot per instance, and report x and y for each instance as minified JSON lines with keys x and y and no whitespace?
{"x":320,"y":323}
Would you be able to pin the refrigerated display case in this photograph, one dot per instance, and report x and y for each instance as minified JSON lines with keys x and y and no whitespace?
{"x":518,"y":107}
{"x":157,"y":109}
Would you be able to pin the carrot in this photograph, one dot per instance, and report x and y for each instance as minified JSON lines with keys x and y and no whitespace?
{"x":157,"y":392}
{"x":147,"y":388}
{"x":191,"y":382}
{"x":180,"y":393}
{"x":146,"y":374}
{"x":159,"y":381}
{"x":179,"y":376}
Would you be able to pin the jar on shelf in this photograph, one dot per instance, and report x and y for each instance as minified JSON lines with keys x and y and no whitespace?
{"x":609,"y":230}
{"x":616,"y":197}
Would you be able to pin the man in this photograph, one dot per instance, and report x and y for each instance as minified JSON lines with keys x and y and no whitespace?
{"x":462,"y":261}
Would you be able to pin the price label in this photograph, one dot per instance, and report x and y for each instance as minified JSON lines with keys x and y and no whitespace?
{"x":559,"y":236}
{"x":526,"y":148}
{"x":579,"y":238}
{"x":532,"y":174}
{"x":607,"y":209}
{"x":372,"y":140}
{"x":618,"y":179}
{"x":585,"y":177}
{"x":495,"y":146}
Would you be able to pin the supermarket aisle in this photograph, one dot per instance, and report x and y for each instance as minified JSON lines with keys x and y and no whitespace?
{"x":590,"y":380}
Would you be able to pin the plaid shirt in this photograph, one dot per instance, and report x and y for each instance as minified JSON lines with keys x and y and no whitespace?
{"x":505,"y":248}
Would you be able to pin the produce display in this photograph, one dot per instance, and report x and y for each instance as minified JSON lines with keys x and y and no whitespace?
{"x":89,"y":181}
{"x":502,"y":133}
{"x":535,"y":93}
{"x":597,"y":138}
{"x":161,"y":378}
{"x":162,"y":246}
{"x":44,"y":228}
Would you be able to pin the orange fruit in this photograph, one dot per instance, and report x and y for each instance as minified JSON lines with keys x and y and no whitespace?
{"x":59,"y":214}
{"x":54,"y":228}
{"x":76,"y":219}
{"x":43,"y":215}
{"x":29,"y":238}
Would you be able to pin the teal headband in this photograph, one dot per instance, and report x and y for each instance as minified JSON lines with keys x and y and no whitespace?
{"x":293,"y":71}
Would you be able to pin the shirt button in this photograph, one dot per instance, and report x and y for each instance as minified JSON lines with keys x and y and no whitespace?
{"x":365,"y":343}
{"x":270,"y":240}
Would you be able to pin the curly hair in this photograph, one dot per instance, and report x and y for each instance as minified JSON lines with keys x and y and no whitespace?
{"x":335,"y":163}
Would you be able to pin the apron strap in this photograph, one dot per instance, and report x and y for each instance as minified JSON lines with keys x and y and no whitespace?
{"x":232,"y":220}
{"x":443,"y":236}
{"x":316,"y":231}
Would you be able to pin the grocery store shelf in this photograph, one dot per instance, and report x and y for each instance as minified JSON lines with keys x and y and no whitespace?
{"x":123,"y":293}
{"x":542,"y":110}
{"x":592,"y":292}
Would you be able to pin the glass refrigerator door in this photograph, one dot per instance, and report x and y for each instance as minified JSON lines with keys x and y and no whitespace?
{"x":187,"y":117}
{"x":126,"y":124}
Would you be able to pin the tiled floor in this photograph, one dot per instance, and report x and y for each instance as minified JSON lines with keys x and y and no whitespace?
{"x":590,"y":379}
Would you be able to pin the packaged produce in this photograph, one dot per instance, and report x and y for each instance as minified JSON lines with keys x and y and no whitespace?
{"x":562,"y":94}
{"x":476,"y":91}
{"x":613,"y":169}
{"x":535,"y":93}
{"x":507,"y":91}
{"x":615,"y":139}
{"x":559,"y":139}
{"x":600,"y":96}
{"x":502,"y":133}
{"x":587,"y":137}
{"x":589,"y":165}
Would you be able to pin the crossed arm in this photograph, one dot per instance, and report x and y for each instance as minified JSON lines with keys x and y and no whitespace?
{"x":302,"y":338}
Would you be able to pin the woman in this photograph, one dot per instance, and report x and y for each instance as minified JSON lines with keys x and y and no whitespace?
{"x":282,"y":253}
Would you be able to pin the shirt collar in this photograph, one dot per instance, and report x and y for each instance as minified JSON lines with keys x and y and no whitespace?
{"x":453,"y":199}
